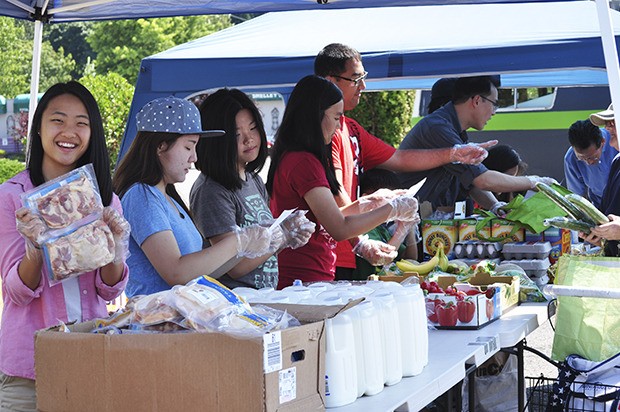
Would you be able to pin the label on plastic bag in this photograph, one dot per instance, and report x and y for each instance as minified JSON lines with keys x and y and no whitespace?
{"x":272,"y":353}
{"x":288,"y":385}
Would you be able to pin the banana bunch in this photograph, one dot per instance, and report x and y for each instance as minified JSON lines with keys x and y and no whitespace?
{"x":438,"y":260}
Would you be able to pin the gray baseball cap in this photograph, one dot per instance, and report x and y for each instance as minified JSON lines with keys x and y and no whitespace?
{"x":172,"y":115}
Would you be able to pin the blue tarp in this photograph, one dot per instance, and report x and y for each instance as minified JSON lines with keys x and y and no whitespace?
{"x":531,"y":44}
{"x":82,"y":10}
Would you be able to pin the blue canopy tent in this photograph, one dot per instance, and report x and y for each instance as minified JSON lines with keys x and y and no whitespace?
{"x":531,"y":44}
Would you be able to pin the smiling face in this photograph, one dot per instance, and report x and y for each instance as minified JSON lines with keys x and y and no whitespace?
{"x":177,"y":159}
{"x":248,"y":139}
{"x":65,"y":134}
{"x":331,"y":120}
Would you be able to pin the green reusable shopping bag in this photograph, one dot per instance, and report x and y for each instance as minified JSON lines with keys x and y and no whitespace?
{"x":528,"y":213}
{"x":589,"y":327}
{"x":533,"y":211}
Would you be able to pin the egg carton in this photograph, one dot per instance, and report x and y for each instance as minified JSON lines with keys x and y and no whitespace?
{"x":472,"y":249}
{"x":534,"y":268}
{"x":526,"y":250}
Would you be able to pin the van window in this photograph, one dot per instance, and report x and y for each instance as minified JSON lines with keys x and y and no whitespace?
{"x":532,"y":98}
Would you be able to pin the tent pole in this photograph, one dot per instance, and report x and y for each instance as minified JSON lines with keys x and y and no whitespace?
{"x":611,"y":53}
{"x":34,"y":79}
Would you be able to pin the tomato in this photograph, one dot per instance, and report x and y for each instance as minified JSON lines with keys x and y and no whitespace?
{"x":466,"y":310}
{"x":447,"y":314}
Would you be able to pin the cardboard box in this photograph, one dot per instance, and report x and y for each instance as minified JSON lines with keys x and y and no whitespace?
{"x":283,"y":371}
{"x":467,"y":230}
{"x":486,"y":309}
{"x":444,"y":230}
{"x":509,"y":287}
{"x":504,"y":228}
{"x":560,"y":240}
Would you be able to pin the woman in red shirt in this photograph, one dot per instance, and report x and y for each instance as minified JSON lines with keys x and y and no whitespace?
{"x":302,"y":176}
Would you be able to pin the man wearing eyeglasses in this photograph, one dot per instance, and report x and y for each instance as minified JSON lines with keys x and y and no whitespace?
{"x":588,"y":160}
{"x":610,"y":202}
{"x":474,"y":102}
{"x":354,"y":149}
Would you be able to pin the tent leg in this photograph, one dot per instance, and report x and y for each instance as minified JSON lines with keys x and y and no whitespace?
{"x":34,"y":78}
{"x":610,"y":52}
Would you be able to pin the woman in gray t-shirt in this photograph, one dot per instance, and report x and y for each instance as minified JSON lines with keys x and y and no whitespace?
{"x":229,"y":190}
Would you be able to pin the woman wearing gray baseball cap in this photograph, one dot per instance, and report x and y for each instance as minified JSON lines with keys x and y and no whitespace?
{"x":165,"y":245}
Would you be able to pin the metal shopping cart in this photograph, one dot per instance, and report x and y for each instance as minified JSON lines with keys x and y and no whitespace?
{"x":581,"y":385}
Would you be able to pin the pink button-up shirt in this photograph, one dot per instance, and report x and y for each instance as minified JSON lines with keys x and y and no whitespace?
{"x":25,"y":310}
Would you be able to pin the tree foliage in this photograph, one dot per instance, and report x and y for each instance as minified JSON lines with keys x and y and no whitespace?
{"x":71,"y":37}
{"x":121,"y":45}
{"x":386,"y":115}
{"x":9,"y":168}
{"x":113,"y":94}
{"x":16,"y":58}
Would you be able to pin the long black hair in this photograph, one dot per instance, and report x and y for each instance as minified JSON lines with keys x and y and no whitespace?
{"x":218,"y":156}
{"x":141,"y":164}
{"x":301,"y":129}
{"x":96,"y":153}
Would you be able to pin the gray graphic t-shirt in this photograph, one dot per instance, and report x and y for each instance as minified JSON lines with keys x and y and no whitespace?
{"x":216,"y":210}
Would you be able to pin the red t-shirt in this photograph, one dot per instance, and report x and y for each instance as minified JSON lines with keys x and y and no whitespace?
{"x":353,"y":151}
{"x":298,"y":173}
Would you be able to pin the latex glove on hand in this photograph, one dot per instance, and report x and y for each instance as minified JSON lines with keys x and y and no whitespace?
{"x":470,"y":153}
{"x":497,"y":210}
{"x":404,"y":208}
{"x":296,"y":230}
{"x":32,"y":228}
{"x":404,"y":229}
{"x":254,"y":241}
{"x":377,"y":253}
{"x":378,"y":199}
{"x":540,"y":179}
{"x":120,"y":229}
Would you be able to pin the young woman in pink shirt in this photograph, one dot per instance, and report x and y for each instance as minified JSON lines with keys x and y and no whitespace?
{"x":66,"y":133}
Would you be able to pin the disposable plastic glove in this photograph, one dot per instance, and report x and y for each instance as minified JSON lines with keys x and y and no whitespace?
{"x":497,"y":209}
{"x":32,"y":228}
{"x":404,"y":208}
{"x":470,"y":153}
{"x":296,"y":230}
{"x":120,"y":229}
{"x":377,"y":253}
{"x":378,"y":199}
{"x":404,"y":229}
{"x":540,"y":179}
{"x":253,"y":241}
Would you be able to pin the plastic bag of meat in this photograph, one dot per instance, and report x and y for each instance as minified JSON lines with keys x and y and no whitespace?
{"x":66,"y":199}
{"x":209,"y":306}
{"x":78,"y":250}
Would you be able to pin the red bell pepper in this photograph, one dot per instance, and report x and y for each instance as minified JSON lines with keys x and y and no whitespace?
{"x":447,"y":314}
{"x":466,"y":310}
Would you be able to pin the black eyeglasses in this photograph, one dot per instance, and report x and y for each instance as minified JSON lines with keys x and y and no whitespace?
{"x":495,"y":103}
{"x":354,"y":82}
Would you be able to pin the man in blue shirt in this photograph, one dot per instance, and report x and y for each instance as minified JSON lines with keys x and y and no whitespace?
{"x":473,"y":103}
{"x":588,"y":160}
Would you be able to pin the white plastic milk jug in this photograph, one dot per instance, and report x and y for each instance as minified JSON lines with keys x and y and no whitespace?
{"x":390,"y":336}
{"x":340,"y":365}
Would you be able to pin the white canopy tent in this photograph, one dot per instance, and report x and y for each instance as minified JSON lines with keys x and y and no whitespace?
{"x":546,"y":44}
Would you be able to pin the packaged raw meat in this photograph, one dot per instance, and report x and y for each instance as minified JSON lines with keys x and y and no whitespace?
{"x":78,"y":250}
{"x":66,"y":199}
